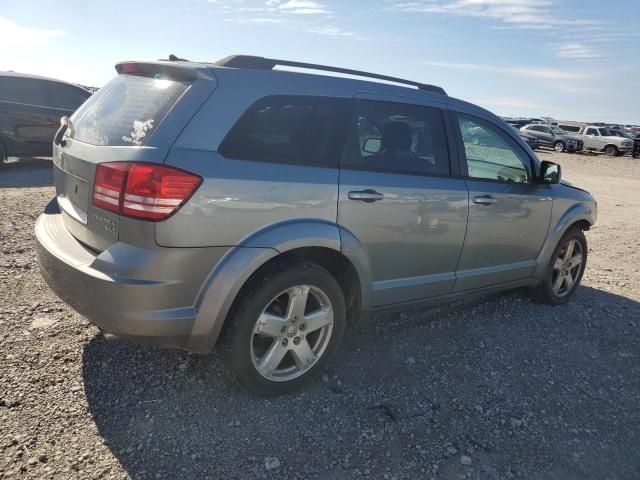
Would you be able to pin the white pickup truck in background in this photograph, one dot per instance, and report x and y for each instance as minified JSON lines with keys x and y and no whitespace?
{"x":602,"y":140}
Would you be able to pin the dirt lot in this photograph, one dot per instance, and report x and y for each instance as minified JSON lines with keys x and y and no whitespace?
{"x":497,"y":388}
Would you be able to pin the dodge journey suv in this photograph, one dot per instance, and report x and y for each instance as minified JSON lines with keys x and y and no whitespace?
{"x":237,"y":200}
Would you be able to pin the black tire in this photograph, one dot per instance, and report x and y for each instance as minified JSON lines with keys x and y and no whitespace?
{"x":611,"y":150}
{"x":256,"y":298}
{"x":543,"y":291}
{"x":559,"y":146}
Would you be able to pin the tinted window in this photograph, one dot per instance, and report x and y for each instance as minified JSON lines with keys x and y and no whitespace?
{"x":67,"y":97}
{"x":126,"y":110}
{"x":397,"y":137}
{"x":496,"y":156}
{"x":592,"y":131}
{"x":535,"y":128}
{"x":300,"y":130}
{"x":28,"y":91}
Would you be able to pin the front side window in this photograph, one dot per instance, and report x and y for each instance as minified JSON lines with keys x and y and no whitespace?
{"x":497,"y":157}
{"x":397,"y":137}
{"x":301,"y":130}
{"x":24,"y":90}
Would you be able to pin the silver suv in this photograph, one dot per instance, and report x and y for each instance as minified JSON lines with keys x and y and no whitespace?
{"x":199,"y":201}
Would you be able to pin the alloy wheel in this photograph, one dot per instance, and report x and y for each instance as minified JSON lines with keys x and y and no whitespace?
{"x":566,"y":268}
{"x":292,"y":333}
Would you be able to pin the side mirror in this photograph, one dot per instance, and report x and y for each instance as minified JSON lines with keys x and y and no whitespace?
{"x":550,"y":172}
{"x":372,"y":145}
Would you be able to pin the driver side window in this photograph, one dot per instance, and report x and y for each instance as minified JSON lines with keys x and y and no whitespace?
{"x":490,"y":154}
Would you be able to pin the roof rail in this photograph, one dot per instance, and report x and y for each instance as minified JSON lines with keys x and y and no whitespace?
{"x":261,"y":63}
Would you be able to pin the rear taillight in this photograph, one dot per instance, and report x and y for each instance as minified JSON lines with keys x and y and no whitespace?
{"x":141,"y":190}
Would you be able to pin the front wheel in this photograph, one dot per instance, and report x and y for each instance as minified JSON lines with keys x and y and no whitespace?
{"x":565,"y":270}
{"x":611,"y":150}
{"x":288,"y":326}
{"x":558,"y":146}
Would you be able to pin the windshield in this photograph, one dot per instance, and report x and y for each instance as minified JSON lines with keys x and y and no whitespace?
{"x":605,"y":132}
{"x":558,"y":131}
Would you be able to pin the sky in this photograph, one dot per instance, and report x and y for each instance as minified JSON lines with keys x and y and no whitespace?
{"x":566,"y":59}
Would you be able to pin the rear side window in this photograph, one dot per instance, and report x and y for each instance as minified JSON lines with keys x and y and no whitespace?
{"x":397,"y":138}
{"x":126,"y":111}
{"x":67,"y":97}
{"x":290,"y":129}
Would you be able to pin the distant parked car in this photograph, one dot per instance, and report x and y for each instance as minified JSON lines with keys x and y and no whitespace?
{"x":30,"y":111}
{"x":635,"y":137}
{"x":530,"y":140}
{"x":601,"y":139}
{"x":554,"y":137}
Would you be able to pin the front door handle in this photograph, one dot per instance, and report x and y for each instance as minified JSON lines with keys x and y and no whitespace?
{"x":368,"y":195}
{"x":484,"y":200}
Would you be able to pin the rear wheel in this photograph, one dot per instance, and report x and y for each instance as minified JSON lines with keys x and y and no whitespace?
{"x":611,"y":150}
{"x":559,"y":146}
{"x":565,"y":270}
{"x":286,"y":329}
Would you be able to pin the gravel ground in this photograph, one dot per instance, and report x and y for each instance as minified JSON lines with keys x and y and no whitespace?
{"x":495,"y":388}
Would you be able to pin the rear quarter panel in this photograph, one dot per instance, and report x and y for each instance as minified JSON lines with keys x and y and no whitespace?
{"x":239,"y":198}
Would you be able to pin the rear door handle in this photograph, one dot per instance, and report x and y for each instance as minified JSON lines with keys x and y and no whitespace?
{"x":484,"y":200}
{"x":367,"y":195}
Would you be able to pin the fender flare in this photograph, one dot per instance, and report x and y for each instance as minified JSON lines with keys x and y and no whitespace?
{"x":575,"y":213}
{"x":231,"y":273}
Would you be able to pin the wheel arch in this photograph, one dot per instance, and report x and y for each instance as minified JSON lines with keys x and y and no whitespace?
{"x":317,"y":241}
{"x":611,"y":145}
{"x":579,"y":215}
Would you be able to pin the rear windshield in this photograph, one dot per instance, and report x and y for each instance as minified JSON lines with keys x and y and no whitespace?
{"x":126,"y":111}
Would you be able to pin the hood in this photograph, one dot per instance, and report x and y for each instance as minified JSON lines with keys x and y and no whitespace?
{"x":570,"y":185}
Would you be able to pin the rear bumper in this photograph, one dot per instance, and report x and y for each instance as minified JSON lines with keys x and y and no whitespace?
{"x":146,"y":295}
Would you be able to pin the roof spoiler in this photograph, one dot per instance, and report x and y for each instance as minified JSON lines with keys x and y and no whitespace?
{"x":261,"y":63}
{"x":171,"y":69}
